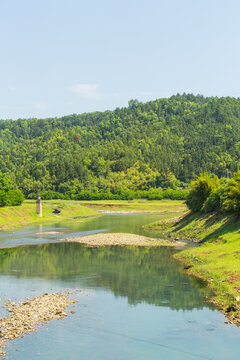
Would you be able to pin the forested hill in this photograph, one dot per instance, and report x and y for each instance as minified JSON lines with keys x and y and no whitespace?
{"x":144,"y":145}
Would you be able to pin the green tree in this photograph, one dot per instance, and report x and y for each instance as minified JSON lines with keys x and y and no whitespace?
{"x":232,"y":202}
{"x":200,"y":191}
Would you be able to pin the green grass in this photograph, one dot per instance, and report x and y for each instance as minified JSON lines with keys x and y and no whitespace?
{"x":12,"y":216}
{"x":137,"y":206}
{"x":216,"y":259}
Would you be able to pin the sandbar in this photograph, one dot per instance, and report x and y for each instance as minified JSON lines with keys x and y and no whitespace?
{"x":110,"y":239}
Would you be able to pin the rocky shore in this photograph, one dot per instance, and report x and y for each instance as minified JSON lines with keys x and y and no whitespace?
{"x":110,"y":239}
{"x":30,"y":314}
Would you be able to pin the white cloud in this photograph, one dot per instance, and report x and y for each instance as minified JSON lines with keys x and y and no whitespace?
{"x":85,"y":90}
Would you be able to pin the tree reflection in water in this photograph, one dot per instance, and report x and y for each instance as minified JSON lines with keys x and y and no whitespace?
{"x":141,"y":274}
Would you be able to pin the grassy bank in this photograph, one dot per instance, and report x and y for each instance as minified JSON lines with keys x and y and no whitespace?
{"x":136,"y":206}
{"x":13,"y":216}
{"x":216,"y":259}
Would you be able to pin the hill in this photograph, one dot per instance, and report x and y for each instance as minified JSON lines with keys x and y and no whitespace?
{"x":161,"y":143}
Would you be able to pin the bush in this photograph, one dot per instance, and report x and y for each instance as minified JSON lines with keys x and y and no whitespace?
{"x":232,"y":201}
{"x":215,"y":200}
{"x":154,"y":194}
{"x":53,"y":195}
{"x":178,"y":194}
{"x":200,"y":191}
{"x":11,"y":197}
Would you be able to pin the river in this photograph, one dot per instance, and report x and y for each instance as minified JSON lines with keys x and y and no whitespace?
{"x":136,"y":303}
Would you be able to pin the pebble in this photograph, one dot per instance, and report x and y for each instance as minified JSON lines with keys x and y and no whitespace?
{"x":24,"y":317}
{"x":111,"y":239}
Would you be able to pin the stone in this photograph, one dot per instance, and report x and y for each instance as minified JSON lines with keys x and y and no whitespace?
{"x":57,"y":211}
{"x":231,"y":308}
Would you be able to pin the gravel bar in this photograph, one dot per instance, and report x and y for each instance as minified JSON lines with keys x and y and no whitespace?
{"x":110,"y":239}
{"x":30,"y":314}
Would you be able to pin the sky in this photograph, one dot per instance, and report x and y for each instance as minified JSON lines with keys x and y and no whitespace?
{"x":63,"y":57}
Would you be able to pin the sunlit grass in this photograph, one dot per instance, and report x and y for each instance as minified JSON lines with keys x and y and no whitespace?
{"x":26,"y":213}
{"x":141,"y":205}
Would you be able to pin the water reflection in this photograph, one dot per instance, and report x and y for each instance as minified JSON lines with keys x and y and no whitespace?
{"x":149,"y":275}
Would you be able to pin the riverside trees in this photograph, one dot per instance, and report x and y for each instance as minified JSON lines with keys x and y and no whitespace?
{"x":208,"y":194}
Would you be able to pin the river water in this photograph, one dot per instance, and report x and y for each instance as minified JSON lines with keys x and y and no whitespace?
{"x":136,"y":303}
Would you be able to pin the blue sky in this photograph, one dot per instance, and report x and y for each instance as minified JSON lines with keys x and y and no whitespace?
{"x":63,"y":57}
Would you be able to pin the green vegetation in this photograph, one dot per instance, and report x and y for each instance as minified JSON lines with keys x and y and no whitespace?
{"x":26,"y":213}
{"x":138,"y":206}
{"x":151,"y":151}
{"x":209,"y":194}
{"x":151,"y":194}
{"x":125,"y":153}
{"x":200,"y":191}
{"x":9,"y":194}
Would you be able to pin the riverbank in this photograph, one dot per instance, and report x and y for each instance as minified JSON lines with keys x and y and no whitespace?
{"x":111,"y":239}
{"x":31,"y":314}
{"x":139,"y":206}
{"x":216,"y":259}
{"x":14,"y":216}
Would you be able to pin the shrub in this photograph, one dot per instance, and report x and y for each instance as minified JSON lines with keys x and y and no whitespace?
{"x":175,"y":194}
{"x":215,"y":200}
{"x":200,"y":191}
{"x":232,"y":201}
{"x":11,"y":197}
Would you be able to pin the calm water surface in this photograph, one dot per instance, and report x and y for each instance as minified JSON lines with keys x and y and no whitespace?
{"x":135,"y":302}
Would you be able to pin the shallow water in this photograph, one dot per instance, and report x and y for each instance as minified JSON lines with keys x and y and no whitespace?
{"x":135,"y":302}
{"x":124,"y":223}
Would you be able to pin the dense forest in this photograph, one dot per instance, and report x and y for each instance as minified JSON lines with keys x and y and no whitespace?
{"x":161,"y":144}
